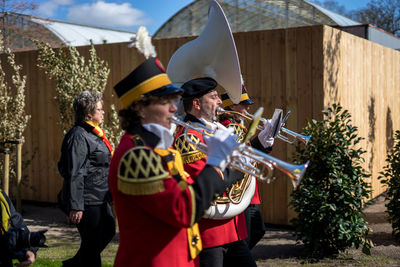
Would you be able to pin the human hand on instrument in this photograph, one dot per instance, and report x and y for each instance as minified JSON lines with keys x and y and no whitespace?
{"x":241,"y":158}
{"x":265,"y":136}
{"x":220,"y":147}
{"x":75,"y":216}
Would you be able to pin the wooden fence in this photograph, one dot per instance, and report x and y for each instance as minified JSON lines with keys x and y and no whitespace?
{"x":305,"y":69}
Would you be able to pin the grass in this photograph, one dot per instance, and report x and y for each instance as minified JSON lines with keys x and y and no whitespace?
{"x":60,"y":250}
{"x":351,"y":258}
{"x":57,"y":263}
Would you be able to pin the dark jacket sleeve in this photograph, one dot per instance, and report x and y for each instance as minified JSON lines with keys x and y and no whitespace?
{"x":255,"y":142}
{"x":17,"y":222}
{"x":75,"y":155}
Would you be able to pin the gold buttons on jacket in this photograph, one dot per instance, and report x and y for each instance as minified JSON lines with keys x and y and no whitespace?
{"x":195,"y":239}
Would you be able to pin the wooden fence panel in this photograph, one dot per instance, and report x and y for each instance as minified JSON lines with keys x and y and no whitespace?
{"x":264,"y":98}
{"x":364,"y":78}
{"x":306,"y":69}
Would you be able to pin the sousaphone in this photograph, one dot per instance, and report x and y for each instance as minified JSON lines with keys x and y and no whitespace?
{"x":213,"y":54}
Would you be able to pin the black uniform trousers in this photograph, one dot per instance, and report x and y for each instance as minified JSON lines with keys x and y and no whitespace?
{"x":97,"y":228}
{"x":235,"y":254}
{"x":255,"y":225}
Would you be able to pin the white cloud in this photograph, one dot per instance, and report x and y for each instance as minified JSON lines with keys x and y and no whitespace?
{"x":49,"y":8}
{"x":107,"y":14}
{"x":63,"y":2}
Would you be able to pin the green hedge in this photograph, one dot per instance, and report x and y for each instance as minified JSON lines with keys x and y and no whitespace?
{"x":330,"y":198}
{"x":391,"y":177}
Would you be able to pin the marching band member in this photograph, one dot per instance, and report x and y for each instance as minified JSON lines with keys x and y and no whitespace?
{"x":223,"y":240}
{"x":156,"y":208}
{"x":263,"y":141}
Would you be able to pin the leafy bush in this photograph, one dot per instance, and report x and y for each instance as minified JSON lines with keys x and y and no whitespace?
{"x":391,"y":177}
{"x":73,"y":75}
{"x":330,"y":198}
{"x":13,"y":117}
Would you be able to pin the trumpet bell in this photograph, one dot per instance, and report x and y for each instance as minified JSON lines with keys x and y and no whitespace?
{"x":297,"y":173}
{"x":253,"y":125}
{"x":295,"y":136}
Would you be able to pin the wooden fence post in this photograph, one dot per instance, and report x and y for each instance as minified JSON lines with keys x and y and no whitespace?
{"x":19,"y":174}
{"x":6,"y":176}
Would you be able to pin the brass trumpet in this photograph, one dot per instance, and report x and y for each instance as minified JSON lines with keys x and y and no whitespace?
{"x":293,"y":135}
{"x":266,"y":163}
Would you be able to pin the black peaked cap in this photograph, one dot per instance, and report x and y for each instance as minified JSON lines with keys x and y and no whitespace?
{"x":198,"y":87}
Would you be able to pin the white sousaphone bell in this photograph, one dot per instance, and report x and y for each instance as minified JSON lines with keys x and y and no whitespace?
{"x":213,"y":54}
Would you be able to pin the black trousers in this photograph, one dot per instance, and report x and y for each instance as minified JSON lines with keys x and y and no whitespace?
{"x":97,"y":228}
{"x":235,"y":254}
{"x":255,"y":225}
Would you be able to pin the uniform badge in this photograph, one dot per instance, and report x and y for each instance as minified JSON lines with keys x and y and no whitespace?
{"x":238,"y":131}
{"x":141,"y":171}
{"x":189,"y":151}
{"x":184,"y":146}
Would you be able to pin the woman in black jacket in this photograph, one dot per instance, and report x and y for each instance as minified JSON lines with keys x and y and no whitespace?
{"x":85,"y":197}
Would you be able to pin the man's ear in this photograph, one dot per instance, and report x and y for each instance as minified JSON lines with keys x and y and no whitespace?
{"x":196,"y":103}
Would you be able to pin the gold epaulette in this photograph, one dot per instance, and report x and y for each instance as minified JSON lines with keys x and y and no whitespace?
{"x":189,"y":152}
{"x":141,"y":172}
{"x":238,"y":130}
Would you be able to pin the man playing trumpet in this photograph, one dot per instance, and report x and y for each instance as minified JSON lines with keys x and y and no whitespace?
{"x":223,"y":240}
{"x":264,"y":141}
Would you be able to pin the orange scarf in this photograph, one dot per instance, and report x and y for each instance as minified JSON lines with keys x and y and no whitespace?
{"x":100,"y":133}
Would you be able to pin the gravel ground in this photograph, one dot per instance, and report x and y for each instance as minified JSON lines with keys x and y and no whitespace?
{"x":277,"y":248}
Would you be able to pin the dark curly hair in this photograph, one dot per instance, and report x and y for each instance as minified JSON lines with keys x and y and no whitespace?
{"x":130,"y":116}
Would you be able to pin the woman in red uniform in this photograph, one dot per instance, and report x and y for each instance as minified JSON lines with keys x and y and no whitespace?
{"x":156,"y":208}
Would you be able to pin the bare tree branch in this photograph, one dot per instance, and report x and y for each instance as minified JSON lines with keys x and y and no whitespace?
{"x":384,"y":14}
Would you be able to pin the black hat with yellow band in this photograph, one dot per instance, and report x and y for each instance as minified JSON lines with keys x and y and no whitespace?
{"x":148,"y":79}
{"x":244,"y":99}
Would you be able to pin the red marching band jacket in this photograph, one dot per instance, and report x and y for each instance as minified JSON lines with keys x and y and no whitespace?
{"x":241,"y":131}
{"x":155,"y":213}
{"x":213,"y":232}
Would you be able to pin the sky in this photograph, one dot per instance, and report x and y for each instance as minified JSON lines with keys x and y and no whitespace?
{"x":127,"y":15}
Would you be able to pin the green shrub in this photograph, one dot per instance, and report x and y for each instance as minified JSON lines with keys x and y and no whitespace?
{"x":73,"y":74}
{"x":330,"y":198}
{"x":13,"y":116}
{"x":391,"y":177}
